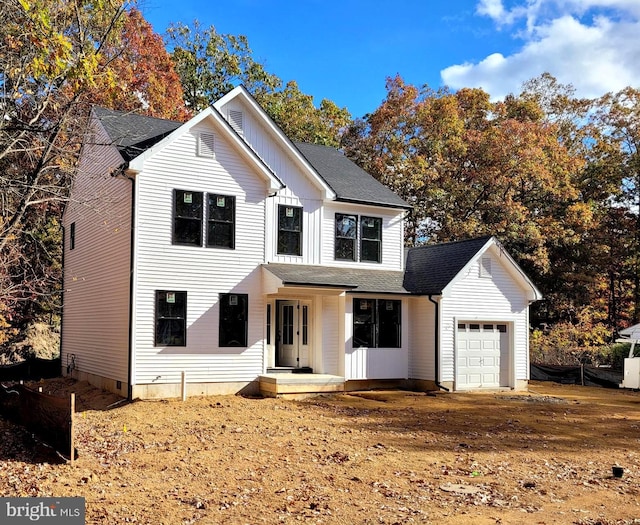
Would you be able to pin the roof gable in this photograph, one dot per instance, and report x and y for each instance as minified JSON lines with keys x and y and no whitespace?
{"x":138,"y":137}
{"x":257,"y":111}
{"x":431,"y":270}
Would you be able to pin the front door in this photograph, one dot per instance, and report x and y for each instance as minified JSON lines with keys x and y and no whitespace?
{"x":293,"y":332}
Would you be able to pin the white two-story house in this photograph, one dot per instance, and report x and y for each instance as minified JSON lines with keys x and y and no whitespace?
{"x":217,"y":256}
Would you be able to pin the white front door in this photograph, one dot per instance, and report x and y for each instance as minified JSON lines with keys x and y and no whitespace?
{"x":294,"y":333}
{"x":482,"y":355}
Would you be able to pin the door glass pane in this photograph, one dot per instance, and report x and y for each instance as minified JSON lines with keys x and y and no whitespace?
{"x":287,"y":325}
{"x":305,"y":325}
{"x":268,"y":324}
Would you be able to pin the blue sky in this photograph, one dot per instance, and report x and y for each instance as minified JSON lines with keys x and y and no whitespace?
{"x":344,"y":50}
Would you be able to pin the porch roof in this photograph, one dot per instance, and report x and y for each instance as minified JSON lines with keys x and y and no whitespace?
{"x":352,"y":280}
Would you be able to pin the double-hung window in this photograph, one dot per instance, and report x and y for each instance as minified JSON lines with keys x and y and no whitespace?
{"x":187,"y":217}
{"x":371,"y":239}
{"x":353,"y":243}
{"x":234,"y":313}
{"x":171,"y":318}
{"x":346,"y":236}
{"x":289,"y":230}
{"x":195,"y":210}
{"x":377,"y":323}
{"x":221,"y":221}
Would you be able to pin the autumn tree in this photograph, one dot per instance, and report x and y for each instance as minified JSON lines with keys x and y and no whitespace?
{"x":472,"y":167}
{"x":210,"y":64}
{"x":52,"y":54}
{"x":142,"y":77}
{"x":296,"y":114}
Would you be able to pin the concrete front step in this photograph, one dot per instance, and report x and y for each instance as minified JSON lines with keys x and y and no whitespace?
{"x":274,"y":385}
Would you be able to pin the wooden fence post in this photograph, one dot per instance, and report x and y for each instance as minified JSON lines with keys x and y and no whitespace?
{"x":71,"y":428}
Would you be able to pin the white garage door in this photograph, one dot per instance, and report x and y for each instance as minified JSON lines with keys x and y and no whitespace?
{"x":482,"y":355}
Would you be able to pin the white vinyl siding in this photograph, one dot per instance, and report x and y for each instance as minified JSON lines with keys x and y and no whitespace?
{"x":202,"y":272}
{"x":392,"y":236}
{"x":481,"y":299}
{"x":330,"y":336}
{"x":96,"y":271}
{"x":422,"y":333}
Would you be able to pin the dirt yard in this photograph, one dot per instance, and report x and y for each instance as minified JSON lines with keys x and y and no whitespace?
{"x":540,"y":457}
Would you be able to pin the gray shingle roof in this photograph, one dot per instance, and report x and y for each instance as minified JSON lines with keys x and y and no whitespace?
{"x":131,"y":133}
{"x":430,"y":269}
{"x":350,"y":182}
{"x":353,"y":279}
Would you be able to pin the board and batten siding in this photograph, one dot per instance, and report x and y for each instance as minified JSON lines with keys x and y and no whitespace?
{"x":96,"y":272}
{"x":495,"y":298}
{"x":422,"y":331}
{"x":299,"y":190}
{"x":392,"y":236}
{"x":202,"y":272}
{"x":376,"y":363}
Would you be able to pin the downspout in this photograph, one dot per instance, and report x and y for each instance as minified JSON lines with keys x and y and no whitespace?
{"x":61,"y":342}
{"x":436,"y":341}
{"x":131,"y":290}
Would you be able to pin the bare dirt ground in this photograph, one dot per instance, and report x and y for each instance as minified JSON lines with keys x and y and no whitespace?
{"x":539,"y":457}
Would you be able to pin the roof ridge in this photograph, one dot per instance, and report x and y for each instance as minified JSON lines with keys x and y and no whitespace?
{"x":458,"y":241}
{"x":135,"y":113}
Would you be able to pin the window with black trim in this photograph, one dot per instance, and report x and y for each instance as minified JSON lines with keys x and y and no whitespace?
{"x":72,"y":236}
{"x":346,"y":235}
{"x":234,"y":310}
{"x":346,"y":246}
{"x":221,"y":218}
{"x":187,"y":217}
{"x":289,"y":230}
{"x":371,"y":239}
{"x":171,"y":318}
{"x":377,"y":323}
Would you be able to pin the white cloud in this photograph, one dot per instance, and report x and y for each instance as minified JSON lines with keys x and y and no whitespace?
{"x":577,"y":41}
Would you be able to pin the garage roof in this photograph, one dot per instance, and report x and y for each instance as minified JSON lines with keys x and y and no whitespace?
{"x":431,"y":268}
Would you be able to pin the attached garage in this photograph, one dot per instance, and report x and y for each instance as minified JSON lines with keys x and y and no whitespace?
{"x":482,"y":355}
{"x":477,"y":301}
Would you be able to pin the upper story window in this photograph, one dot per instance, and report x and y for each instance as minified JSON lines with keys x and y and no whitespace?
{"x":190,"y":213}
{"x":371,"y":239}
{"x":289,"y":230}
{"x":221,"y":221}
{"x":187,"y":217}
{"x":346,"y":238}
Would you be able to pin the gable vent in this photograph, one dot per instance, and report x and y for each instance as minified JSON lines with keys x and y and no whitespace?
{"x":485,"y":267}
{"x":235,"y":119}
{"x":206,"y":144}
